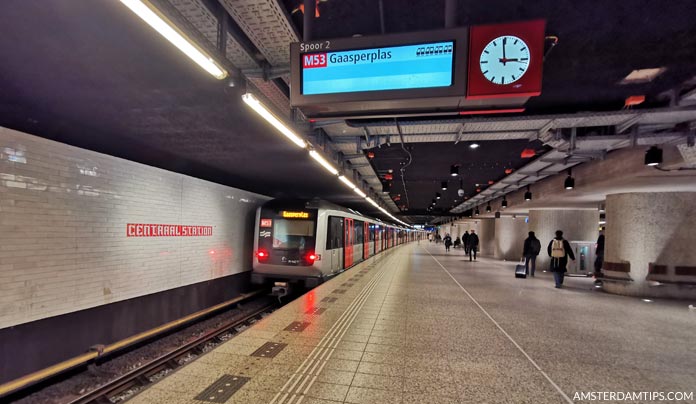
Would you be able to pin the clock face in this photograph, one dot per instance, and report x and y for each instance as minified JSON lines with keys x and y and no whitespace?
{"x":504,"y":60}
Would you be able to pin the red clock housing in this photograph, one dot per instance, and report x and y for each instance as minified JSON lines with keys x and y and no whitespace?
{"x":532,"y":33}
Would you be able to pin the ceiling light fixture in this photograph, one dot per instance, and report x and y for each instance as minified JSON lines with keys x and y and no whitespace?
{"x":438,"y":195}
{"x":156,"y":19}
{"x":316,"y":156}
{"x":528,"y":194}
{"x":488,"y":207}
{"x":477,"y":212}
{"x":443,"y":185}
{"x":642,"y":75}
{"x":454,"y":170}
{"x":346,"y":181}
{"x":260,"y":109}
{"x":474,"y":145}
{"x":504,"y":203}
{"x":360,"y":192}
{"x":569,"y":181}
{"x":653,"y":156}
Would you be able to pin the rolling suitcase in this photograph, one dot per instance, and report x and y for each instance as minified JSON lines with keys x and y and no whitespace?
{"x":520,"y":270}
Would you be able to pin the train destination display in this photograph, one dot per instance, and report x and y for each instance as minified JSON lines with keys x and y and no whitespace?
{"x":426,"y":65}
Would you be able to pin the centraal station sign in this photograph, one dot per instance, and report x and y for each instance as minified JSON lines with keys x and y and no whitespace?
{"x":166,"y":230}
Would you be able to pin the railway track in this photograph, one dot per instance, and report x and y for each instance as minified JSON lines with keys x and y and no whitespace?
{"x":126,"y":386}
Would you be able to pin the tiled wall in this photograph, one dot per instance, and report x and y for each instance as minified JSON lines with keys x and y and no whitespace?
{"x":63,"y":216}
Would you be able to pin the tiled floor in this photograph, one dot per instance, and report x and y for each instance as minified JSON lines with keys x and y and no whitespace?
{"x":423,"y":326}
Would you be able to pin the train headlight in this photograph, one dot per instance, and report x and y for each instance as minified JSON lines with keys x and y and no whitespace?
{"x":262,"y":255}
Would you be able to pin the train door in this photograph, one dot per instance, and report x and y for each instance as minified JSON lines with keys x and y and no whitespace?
{"x":335,"y":243}
{"x":348,"y":242}
{"x":366,"y":240}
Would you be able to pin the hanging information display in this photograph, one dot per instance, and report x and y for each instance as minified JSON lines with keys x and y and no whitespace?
{"x":389,"y":68}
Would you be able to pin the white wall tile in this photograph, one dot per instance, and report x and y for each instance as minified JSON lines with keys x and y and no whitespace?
{"x":63,"y":216}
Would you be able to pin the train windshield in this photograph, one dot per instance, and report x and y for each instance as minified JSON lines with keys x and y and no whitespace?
{"x":293,"y":234}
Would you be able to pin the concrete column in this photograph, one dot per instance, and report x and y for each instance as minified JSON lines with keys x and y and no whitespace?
{"x":577,"y":225}
{"x":651,"y":239}
{"x":487,"y":236}
{"x":509,"y":238}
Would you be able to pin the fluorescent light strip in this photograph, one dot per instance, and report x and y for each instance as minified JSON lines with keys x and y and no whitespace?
{"x":260,"y":109}
{"x":346,"y":181}
{"x":359,"y":192}
{"x":372,"y":202}
{"x":316,"y":156}
{"x":156,"y":20}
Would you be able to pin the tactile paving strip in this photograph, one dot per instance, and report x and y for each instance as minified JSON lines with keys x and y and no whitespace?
{"x":316,"y":311}
{"x":269,"y":350}
{"x":222,"y":389}
{"x":297,"y":326}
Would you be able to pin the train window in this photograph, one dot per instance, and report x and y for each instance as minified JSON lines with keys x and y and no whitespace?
{"x":358,"y":226}
{"x":372,"y":232}
{"x":334,"y":237}
{"x":291,"y":234}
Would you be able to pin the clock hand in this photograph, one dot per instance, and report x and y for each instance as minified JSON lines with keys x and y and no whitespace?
{"x":504,"y":59}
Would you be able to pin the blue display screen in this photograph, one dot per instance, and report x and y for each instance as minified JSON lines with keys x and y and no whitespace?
{"x":393,"y":68}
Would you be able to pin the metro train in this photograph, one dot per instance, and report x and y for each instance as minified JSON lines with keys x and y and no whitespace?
{"x":305,"y":242}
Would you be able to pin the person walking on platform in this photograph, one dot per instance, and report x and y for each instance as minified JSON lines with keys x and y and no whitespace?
{"x":448,"y":242}
{"x":599,"y":260}
{"x":559,"y":250}
{"x":473,"y":244}
{"x":532,"y":247}
{"x":465,"y":242}
{"x":430,"y":238}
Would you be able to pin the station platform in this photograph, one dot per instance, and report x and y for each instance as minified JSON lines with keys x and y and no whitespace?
{"x":418,"y":325}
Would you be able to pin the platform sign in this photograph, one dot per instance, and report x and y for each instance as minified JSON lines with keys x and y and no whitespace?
{"x":381,"y":73}
{"x":423,"y":65}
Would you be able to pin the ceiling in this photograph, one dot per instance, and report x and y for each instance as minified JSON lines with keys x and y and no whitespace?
{"x":93,"y":75}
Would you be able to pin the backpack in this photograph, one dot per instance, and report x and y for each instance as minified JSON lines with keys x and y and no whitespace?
{"x":557,"y":249}
{"x":535,"y":246}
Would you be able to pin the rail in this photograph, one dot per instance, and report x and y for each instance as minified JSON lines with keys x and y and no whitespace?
{"x":24,"y":382}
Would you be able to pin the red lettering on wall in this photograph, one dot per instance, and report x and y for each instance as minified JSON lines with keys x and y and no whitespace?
{"x":166,"y":230}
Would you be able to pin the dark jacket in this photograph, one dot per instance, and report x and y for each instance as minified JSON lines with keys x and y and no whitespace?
{"x":530,"y":242}
{"x":473,"y":241}
{"x":560,"y":264}
{"x":600,"y":245}
{"x":465,"y":239}
{"x":448,"y":241}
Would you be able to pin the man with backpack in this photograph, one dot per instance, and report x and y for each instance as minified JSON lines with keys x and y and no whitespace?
{"x":532,"y":247}
{"x":559,"y":250}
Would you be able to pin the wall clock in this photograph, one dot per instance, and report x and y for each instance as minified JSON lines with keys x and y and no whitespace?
{"x":505,"y":60}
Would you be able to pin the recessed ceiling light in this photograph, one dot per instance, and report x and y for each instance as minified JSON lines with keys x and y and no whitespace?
{"x":642,"y":75}
{"x":474,"y":145}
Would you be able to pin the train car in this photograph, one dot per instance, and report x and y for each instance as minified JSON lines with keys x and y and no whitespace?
{"x":301,"y":242}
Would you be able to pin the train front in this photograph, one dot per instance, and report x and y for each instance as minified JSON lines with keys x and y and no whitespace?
{"x":285,"y":246}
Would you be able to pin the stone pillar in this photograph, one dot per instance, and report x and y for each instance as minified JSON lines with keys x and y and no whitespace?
{"x":651,"y":240}
{"x":576,"y":224}
{"x":487,"y":236}
{"x":509,"y":238}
